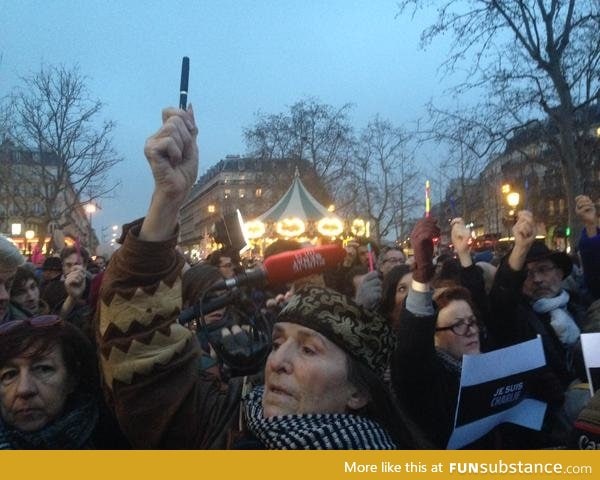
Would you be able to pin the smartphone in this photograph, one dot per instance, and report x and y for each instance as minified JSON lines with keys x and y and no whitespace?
{"x":183,"y":85}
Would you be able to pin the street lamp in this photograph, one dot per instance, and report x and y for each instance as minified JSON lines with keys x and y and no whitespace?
{"x":90,"y":208}
{"x":513,"y":199}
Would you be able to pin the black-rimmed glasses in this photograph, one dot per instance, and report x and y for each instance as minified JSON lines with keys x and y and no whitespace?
{"x":461,"y":328}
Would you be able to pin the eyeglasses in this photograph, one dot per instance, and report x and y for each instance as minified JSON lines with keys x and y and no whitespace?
{"x":543,"y":270}
{"x":393,"y":260}
{"x":41,"y":321}
{"x":461,"y":328}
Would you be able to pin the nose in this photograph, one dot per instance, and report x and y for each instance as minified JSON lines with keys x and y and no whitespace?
{"x":280,"y":360}
{"x":26,"y":385}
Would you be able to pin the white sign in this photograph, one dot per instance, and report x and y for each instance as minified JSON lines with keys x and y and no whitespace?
{"x":590,"y":344}
{"x":493,"y":390}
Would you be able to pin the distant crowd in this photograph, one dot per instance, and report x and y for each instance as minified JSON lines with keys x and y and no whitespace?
{"x":144,"y":350}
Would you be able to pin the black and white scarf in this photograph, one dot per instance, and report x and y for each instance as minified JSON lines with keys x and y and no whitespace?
{"x":330,"y":431}
{"x":73,"y":430}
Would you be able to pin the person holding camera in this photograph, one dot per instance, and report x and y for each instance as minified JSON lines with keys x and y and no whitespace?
{"x":322,"y":379}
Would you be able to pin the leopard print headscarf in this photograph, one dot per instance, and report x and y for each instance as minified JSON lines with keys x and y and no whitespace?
{"x":363,"y":334}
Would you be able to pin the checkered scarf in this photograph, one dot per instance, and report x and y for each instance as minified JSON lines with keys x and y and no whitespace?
{"x":331,"y":431}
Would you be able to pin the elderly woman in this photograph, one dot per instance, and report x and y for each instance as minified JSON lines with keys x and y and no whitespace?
{"x":322,"y":380}
{"x":48,"y":388}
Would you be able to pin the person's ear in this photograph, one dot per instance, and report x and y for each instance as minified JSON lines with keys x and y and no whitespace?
{"x":358,"y":399}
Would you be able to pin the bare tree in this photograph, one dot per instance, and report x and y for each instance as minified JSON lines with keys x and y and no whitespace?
{"x":64,"y":151}
{"x":530,"y":58}
{"x":385,"y":177}
{"x":310,"y":131}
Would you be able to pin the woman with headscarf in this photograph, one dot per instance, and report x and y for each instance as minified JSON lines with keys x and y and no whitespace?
{"x":322,"y":380}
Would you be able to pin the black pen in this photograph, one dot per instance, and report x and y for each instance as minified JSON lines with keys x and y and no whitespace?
{"x":183,"y":87}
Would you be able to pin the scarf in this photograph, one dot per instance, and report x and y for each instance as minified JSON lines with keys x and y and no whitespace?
{"x":73,"y":430}
{"x":450,"y":363}
{"x":561,"y":321}
{"x":328,"y":431}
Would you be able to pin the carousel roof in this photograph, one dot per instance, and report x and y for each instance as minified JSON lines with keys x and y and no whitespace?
{"x":296,"y":202}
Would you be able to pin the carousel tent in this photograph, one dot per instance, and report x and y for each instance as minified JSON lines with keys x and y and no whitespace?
{"x":297,"y":202}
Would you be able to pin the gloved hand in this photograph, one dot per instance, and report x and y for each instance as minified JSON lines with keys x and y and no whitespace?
{"x":369,"y":292}
{"x":242,"y":351}
{"x":421,"y":240}
{"x":546,"y":386}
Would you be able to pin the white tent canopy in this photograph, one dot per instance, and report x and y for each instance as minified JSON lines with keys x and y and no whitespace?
{"x":297,"y":202}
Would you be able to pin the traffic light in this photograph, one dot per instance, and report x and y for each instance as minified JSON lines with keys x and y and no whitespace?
{"x":568,"y":231}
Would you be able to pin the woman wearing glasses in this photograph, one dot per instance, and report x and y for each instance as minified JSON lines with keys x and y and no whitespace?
{"x":426,"y":364}
{"x":49,"y":395}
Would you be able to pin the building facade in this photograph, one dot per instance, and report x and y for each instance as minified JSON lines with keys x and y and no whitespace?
{"x":530,"y":168}
{"x":249,"y":185}
{"x":26,"y":216}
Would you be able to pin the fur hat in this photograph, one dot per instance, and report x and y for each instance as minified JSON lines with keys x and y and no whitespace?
{"x":539,"y":251}
{"x":10,"y":256}
{"x":361,"y":333}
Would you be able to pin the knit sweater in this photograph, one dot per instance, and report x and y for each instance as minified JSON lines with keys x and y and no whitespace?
{"x":150,"y":362}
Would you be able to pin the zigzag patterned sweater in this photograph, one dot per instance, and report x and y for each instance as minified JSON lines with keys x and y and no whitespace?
{"x":150,"y":362}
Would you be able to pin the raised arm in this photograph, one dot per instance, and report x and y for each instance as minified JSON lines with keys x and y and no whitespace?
{"x":471,"y":276}
{"x":150,"y":362}
{"x":172,"y":153}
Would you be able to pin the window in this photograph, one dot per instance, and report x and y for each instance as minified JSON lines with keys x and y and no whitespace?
{"x":550,"y":207}
{"x":227,"y":194}
{"x":211,"y":209}
{"x":561,"y":206}
{"x":258,"y":193}
{"x":241,"y":193}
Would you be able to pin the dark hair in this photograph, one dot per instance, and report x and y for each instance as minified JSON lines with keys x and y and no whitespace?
{"x":447,"y":268}
{"x":281,"y":245}
{"x":52,"y":264}
{"x":389,"y":248}
{"x":447,"y":295}
{"x":77,"y":351}
{"x":382,"y":408}
{"x":196,"y":280}
{"x":214,"y":258}
{"x":364,"y":241}
{"x":21,"y":277}
{"x":85,"y":256}
{"x":348,"y":287}
{"x":389,"y":286}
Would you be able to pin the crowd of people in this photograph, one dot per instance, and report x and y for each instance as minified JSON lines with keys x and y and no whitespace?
{"x":367,"y":354}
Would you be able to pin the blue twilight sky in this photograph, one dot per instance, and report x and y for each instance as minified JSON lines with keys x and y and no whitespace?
{"x":246,"y":56}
